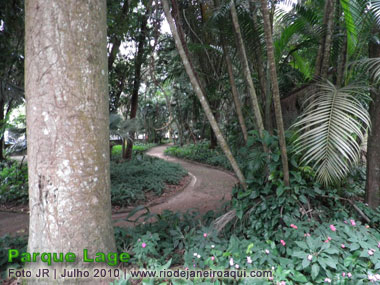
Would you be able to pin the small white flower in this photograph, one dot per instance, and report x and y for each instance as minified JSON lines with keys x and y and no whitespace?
{"x":199,"y":256}
{"x":309,"y":257}
{"x":195,"y":254}
{"x":231,"y":261}
{"x":249,"y":260}
{"x":377,"y":276}
{"x":237,"y":266}
{"x":327,"y":280}
{"x":212,"y":246}
{"x":267,"y":251}
{"x":371,"y":252}
{"x":371,"y":277}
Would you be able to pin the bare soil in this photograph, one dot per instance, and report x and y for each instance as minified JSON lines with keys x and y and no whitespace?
{"x":204,"y":189}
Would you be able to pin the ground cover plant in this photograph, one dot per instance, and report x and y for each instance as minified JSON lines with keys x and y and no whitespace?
{"x":306,"y":233}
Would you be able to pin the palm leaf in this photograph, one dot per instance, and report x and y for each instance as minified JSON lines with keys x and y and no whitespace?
{"x":331,"y":128}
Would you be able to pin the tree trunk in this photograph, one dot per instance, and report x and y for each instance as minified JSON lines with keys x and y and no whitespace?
{"x":1,"y":125}
{"x":246,"y":71}
{"x":68,"y":129}
{"x":323,"y":57}
{"x":181,"y":46}
{"x":235,"y":94}
{"x":136,"y":84}
{"x":373,"y":146}
{"x":275,"y":90}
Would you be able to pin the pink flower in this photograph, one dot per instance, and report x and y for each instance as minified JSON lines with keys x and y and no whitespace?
{"x":378,"y":244}
{"x":186,"y":268}
{"x":349,"y":275}
{"x":326,"y":241}
{"x":212,"y":258}
{"x":249,"y":260}
{"x":367,"y":226}
{"x":237,"y":266}
{"x":309,"y":257}
{"x":353,"y":223}
{"x":143,"y":245}
{"x":282,"y":242}
{"x":270,"y":278}
{"x":267,"y":251}
{"x":345,"y":222}
{"x":370,"y":252}
{"x":306,"y":235}
{"x":344,"y":274}
{"x":342,"y":245}
{"x":332,"y":227}
{"x":328,"y":280}
{"x":282,"y":283}
{"x":204,"y":235}
{"x":329,"y":238}
{"x":293,"y":226}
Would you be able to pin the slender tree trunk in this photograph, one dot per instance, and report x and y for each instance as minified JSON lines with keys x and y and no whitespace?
{"x":275,"y":90}
{"x":235,"y":94}
{"x":136,"y":84}
{"x":2,"y":117}
{"x":68,"y":129}
{"x":323,"y":57}
{"x":199,"y":92}
{"x":373,"y":146}
{"x":246,"y":71}
{"x":342,"y":63}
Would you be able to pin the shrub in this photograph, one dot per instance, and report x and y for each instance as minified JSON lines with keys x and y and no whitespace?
{"x":13,"y":183}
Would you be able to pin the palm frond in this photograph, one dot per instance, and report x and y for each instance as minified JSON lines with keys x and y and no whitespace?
{"x":331,"y":128}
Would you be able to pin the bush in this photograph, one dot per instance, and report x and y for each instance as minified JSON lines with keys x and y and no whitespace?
{"x":130,"y":180}
{"x":13,"y":183}
{"x":200,"y":152}
{"x":8,"y":242}
{"x":138,"y":149}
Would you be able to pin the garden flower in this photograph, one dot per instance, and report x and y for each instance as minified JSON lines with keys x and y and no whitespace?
{"x":377,"y":276}
{"x":270,"y":278}
{"x":309,"y":257}
{"x":282,"y":283}
{"x":328,"y":280}
{"x":329,"y":238}
{"x":249,"y":260}
{"x":353,"y":223}
{"x":212,"y":258}
{"x":195,"y":254}
{"x":344,"y":274}
{"x":370,"y":252}
{"x":283,"y":242}
{"x":267,"y":251}
{"x":371,"y":277}
{"x":204,"y":235}
{"x":367,"y":226}
{"x":306,"y":235}
{"x":143,"y":245}
{"x":345,"y":222}
{"x":293,"y":226}
{"x":378,"y":244}
{"x":332,"y":227}
{"x":349,"y":275}
{"x":342,"y":245}
{"x":199,"y":256}
{"x":231,"y":261}
{"x":212,"y":246}
{"x":237,"y":266}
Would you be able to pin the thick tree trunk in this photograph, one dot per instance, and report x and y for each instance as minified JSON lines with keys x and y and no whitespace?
{"x":68,"y":129}
{"x":275,"y":90}
{"x":373,"y":146}
{"x":246,"y":70}
{"x":136,"y":83}
{"x":199,"y":92}
{"x":235,"y":94}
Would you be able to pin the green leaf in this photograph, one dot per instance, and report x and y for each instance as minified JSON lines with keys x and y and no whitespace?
{"x":314,"y":271}
{"x":305,"y":263}
{"x":300,"y":254}
{"x":280,"y":190}
{"x":299,"y":277}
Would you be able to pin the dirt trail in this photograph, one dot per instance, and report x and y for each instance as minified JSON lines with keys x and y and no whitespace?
{"x":208,"y":190}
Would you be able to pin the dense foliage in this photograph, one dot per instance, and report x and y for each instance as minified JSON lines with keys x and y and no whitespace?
{"x":13,"y":182}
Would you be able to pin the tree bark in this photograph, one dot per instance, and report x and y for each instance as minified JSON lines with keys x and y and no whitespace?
{"x":68,"y":129}
{"x":275,"y":90}
{"x":182,"y":48}
{"x":1,"y":125}
{"x":235,"y":94}
{"x":373,"y":145}
{"x":246,"y":70}
{"x":136,"y":83}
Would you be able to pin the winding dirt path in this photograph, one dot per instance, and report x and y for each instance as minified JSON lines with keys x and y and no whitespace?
{"x":208,"y":190}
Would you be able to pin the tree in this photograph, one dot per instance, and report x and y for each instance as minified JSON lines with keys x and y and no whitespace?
{"x":68,"y":127}
{"x":275,"y":90}
{"x":183,"y":52}
{"x":373,"y":148}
